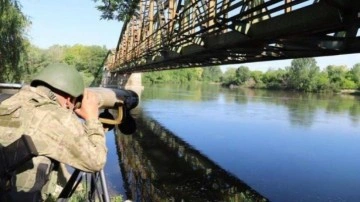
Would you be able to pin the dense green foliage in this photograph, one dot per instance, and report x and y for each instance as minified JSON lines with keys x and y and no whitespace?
{"x":302,"y":75}
{"x":211,"y":74}
{"x":87,"y":59}
{"x":205,"y":74}
{"x":13,"y":24}
{"x":120,"y":10}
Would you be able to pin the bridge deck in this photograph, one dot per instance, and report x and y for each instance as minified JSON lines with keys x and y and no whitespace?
{"x":169,"y":34}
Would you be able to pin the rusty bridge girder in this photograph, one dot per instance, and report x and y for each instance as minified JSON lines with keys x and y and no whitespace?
{"x":171,"y":34}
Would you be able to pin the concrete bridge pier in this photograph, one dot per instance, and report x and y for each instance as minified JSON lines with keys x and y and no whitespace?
{"x":131,"y":81}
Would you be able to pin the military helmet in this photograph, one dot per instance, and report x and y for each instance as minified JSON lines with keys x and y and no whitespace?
{"x":62,"y":77}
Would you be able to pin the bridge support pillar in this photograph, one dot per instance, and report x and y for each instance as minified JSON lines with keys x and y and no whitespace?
{"x":124,"y":81}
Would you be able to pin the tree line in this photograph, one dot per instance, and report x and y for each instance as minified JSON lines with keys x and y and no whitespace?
{"x":88,"y":60}
{"x":302,"y":75}
{"x":20,"y":60}
{"x":197,"y":74}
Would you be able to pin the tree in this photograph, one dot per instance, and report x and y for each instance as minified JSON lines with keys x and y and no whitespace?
{"x":87,"y":59}
{"x":56,"y":53}
{"x":211,"y":74}
{"x":173,"y":76}
{"x":120,"y":10}
{"x":340,"y":77}
{"x":35,"y":60}
{"x":355,"y":74}
{"x":257,"y":76}
{"x":12,"y":40}
{"x":336,"y":74}
{"x":242,"y":75}
{"x":275,"y":79}
{"x":229,"y":76}
{"x":322,"y":82}
{"x":303,"y":73}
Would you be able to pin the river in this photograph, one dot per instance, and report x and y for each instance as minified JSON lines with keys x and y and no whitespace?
{"x":207,"y":143}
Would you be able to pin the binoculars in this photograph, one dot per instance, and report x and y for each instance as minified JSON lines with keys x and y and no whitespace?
{"x":121,"y":101}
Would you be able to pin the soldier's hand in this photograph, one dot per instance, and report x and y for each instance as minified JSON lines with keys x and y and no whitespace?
{"x":89,"y":106}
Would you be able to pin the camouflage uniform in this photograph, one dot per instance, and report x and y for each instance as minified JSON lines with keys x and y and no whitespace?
{"x":57,"y":133}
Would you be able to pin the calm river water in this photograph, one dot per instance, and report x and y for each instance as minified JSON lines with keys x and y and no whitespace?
{"x":207,"y":143}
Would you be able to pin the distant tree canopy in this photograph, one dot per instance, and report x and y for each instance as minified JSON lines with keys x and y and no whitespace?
{"x":173,"y":76}
{"x":13,"y":42}
{"x":203,"y":74}
{"x":86,"y":59}
{"x":242,"y":75}
{"x":302,"y":75}
{"x":211,"y":74}
{"x":120,"y":10}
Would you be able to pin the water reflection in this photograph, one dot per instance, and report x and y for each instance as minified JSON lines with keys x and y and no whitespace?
{"x":159,"y":166}
{"x":292,"y":146}
{"x":189,"y":91}
{"x":300,"y":106}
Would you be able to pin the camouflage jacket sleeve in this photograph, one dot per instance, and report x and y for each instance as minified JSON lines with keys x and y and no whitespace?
{"x":62,"y":136}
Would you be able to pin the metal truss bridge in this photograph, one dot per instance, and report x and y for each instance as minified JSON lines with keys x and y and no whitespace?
{"x":173,"y":34}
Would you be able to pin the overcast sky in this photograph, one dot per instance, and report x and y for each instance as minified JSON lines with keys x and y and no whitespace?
{"x":69,"y":22}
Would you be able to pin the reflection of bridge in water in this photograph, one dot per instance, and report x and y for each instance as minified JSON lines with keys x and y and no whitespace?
{"x":159,"y":166}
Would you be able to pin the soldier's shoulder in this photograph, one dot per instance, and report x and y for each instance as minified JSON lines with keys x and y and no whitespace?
{"x":22,"y":96}
{"x":57,"y":112}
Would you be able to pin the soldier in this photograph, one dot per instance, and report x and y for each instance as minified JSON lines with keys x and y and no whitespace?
{"x":46,"y":112}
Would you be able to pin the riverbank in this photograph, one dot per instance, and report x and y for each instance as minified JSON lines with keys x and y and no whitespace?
{"x":350,"y":92}
{"x":343,"y":91}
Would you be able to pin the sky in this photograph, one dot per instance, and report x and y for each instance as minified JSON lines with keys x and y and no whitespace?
{"x":69,"y":22}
